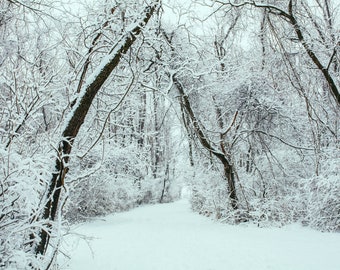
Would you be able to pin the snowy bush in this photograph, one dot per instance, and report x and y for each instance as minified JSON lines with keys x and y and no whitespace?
{"x":262,"y":199}
{"x":274,"y":211}
{"x":274,"y":202}
{"x":118,"y":182}
{"x":21,"y":188}
{"x":209,"y":195}
{"x":100,"y":191}
{"x":323,"y":203}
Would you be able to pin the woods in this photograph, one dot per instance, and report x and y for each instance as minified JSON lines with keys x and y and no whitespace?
{"x":109,"y":105}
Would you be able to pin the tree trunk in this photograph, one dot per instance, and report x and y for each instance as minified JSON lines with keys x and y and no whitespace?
{"x":324,"y":70}
{"x":78,"y":116}
{"x":227,"y":167}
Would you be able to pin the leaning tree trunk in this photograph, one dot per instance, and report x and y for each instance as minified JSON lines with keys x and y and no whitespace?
{"x":289,"y":17}
{"x":80,"y":110}
{"x":227,"y":166}
{"x":186,"y":108}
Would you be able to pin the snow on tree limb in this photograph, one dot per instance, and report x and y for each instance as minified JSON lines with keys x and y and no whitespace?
{"x":77,"y":117}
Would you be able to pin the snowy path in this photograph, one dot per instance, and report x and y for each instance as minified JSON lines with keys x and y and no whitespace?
{"x":171,"y":237}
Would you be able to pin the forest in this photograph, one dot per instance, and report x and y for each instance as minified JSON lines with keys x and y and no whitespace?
{"x":109,"y":105}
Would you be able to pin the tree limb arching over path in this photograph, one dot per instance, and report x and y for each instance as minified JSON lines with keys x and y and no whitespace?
{"x":80,"y":109}
{"x":290,"y":17}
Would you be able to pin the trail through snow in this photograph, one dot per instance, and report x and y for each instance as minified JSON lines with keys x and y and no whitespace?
{"x":171,"y":237}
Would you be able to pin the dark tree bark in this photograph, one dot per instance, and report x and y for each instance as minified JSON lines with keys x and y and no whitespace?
{"x":186,"y":109}
{"x":290,"y":17}
{"x":186,"y":121}
{"x":227,"y":166}
{"x":324,"y":69}
{"x":165,"y":180}
{"x":80,"y":111}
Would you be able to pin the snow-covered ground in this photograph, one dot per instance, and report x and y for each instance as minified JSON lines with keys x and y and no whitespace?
{"x":171,"y":237}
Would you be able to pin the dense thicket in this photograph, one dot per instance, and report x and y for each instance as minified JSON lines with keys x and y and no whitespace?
{"x":263,"y":102}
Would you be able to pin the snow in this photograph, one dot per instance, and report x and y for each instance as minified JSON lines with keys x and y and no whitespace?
{"x":171,"y":236}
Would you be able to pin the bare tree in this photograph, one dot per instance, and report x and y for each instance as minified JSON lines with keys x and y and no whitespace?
{"x":290,"y":15}
{"x":81,"y":107}
{"x":220,"y":154}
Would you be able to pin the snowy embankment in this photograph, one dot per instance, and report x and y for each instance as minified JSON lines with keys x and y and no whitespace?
{"x":170,"y":236}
